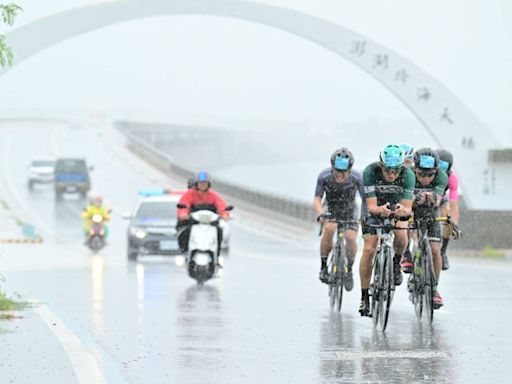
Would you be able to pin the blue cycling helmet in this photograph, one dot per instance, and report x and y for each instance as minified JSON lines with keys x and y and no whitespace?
{"x":426,"y":158}
{"x":392,"y":156}
{"x":202,"y":177}
{"x":408,"y":150}
{"x":342,"y":159}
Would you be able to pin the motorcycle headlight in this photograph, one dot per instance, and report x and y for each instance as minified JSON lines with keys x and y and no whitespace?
{"x":138,"y":232}
{"x":97,"y":219}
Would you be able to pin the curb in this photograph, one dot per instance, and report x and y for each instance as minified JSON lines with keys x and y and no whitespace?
{"x":13,"y":240}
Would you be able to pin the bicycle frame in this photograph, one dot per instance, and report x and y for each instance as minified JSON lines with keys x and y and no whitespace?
{"x":423,"y":281}
{"x":337,"y":264}
{"x":382,"y":286}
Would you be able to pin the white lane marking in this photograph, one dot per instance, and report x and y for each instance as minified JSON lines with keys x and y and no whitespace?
{"x":85,"y":366}
{"x":402,"y":354}
{"x":12,"y":187}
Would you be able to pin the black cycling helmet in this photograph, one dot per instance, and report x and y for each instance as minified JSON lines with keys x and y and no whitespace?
{"x":426,"y":158}
{"x":445,"y":160}
{"x":342,"y":159}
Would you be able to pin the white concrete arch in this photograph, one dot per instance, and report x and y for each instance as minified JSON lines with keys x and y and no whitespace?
{"x":443,"y":114}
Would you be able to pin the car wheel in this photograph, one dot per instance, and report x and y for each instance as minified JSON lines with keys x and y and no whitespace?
{"x":132,"y":255}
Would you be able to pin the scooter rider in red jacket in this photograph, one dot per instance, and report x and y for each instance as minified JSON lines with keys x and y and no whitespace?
{"x":201,"y":196}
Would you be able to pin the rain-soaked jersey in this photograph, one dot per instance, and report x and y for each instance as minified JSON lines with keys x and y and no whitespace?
{"x":437,"y":185}
{"x":340,"y":197}
{"x":375,"y":185}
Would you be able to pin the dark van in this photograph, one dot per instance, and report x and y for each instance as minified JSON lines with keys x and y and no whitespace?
{"x":71,"y":176}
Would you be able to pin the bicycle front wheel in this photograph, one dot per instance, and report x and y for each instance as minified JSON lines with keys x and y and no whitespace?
{"x":387,"y":291}
{"x":430,"y":284}
{"x":336,"y":296}
{"x":376,"y":289}
{"x":336,"y":281}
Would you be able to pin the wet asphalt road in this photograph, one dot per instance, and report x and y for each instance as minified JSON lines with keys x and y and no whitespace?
{"x":266,"y":319}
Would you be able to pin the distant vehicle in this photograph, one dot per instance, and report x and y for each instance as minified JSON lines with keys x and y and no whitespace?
{"x":40,"y":171}
{"x":96,"y":237}
{"x":152,"y":228}
{"x":71,"y":176}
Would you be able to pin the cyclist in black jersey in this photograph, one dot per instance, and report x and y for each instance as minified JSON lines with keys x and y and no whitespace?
{"x":339,"y":185}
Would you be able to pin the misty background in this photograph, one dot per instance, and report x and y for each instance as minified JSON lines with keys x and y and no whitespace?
{"x":283,"y":103}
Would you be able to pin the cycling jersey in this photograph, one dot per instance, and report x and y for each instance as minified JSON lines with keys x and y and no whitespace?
{"x":452,"y":187}
{"x":438,"y":184}
{"x":340,"y":197}
{"x":375,"y":185}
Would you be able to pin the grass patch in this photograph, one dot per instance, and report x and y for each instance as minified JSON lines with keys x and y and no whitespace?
{"x":11,"y":304}
{"x":489,"y":251}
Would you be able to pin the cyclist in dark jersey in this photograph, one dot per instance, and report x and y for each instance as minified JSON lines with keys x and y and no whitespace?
{"x":429,"y":190}
{"x":339,"y":185}
{"x":387,"y":182}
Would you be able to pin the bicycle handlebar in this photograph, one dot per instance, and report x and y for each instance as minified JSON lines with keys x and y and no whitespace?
{"x":328,"y":219}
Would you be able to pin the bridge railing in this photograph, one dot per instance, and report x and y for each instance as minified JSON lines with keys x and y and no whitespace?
{"x":274,"y":205}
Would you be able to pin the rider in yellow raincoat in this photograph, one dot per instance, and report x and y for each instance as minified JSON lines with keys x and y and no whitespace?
{"x":95,"y":208}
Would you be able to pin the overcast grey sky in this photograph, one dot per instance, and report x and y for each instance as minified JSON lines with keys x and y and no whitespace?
{"x":218,"y":66}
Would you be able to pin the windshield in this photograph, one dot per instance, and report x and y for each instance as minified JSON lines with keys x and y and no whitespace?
{"x":43,"y":163}
{"x":67,"y":166}
{"x":157,"y":209}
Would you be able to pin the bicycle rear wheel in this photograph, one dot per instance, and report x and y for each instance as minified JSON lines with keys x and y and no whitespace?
{"x":387,"y":292}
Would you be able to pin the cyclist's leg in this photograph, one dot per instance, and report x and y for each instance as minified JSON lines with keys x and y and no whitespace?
{"x":406,"y":261}
{"x":325,"y":248}
{"x":365,"y":266}
{"x":446,"y":232}
{"x":400,"y":244}
{"x":435,"y":245}
{"x":350,"y":236}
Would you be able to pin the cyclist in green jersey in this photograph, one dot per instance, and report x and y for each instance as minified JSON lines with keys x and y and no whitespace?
{"x":431,"y":183}
{"x":387,"y":183}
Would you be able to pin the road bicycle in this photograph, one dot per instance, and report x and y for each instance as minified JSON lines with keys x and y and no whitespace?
{"x":337,"y":263}
{"x":422,"y":281}
{"x":382,"y":285}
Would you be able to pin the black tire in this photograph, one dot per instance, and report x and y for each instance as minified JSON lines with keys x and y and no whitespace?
{"x":336,"y":279}
{"x":430,"y":284}
{"x":387,"y":291}
{"x":376,"y":290}
{"x":132,"y":255}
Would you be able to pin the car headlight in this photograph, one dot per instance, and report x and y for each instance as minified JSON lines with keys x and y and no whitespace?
{"x":138,"y":232}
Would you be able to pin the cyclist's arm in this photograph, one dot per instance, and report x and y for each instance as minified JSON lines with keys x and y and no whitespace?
{"x":370,"y":196}
{"x":442,"y":182}
{"x":453,"y":184}
{"x":317,"y":203}
{"x":408,"y":193}
{"x":454,"y":211}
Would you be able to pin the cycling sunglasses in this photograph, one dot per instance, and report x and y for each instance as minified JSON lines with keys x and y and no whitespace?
{"x":426,"y":173}
{"x":392,"y":171}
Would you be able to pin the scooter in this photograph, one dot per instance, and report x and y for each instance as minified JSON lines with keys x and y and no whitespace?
{"x":203,"y":245}
{"x":96,"y":237}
